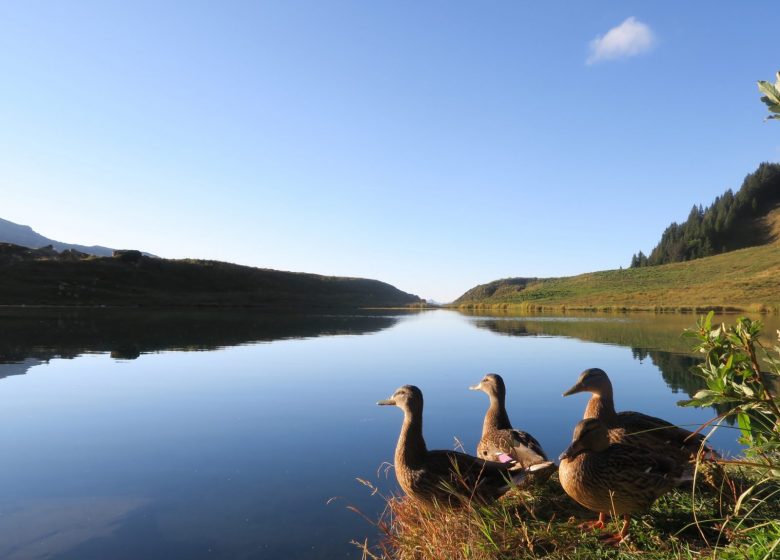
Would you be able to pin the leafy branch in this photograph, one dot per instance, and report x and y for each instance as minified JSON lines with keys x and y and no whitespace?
{"x":733,"y":372}
{"x":771,"y":96}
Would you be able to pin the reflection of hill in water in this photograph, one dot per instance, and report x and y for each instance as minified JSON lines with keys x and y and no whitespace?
{"x":677,"y":371}
{"x":659,"y":335}
{"x":18,"y":368}
{"x":28,"y":337}
{"x":659,"y":341}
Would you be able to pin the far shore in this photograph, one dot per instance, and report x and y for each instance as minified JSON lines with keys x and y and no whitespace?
{"x":563,"y":309}
{"x":521,"y":308}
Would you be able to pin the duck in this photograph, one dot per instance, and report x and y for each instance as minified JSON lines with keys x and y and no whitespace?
{"x":499,"y":439}
{"x":629,"y":426}
{"x":444,"y":477}
{"x":614,"y":478}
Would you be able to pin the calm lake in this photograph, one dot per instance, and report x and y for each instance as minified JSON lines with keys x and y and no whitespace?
{"x":224,"y":435}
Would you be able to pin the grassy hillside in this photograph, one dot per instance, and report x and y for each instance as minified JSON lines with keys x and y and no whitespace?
{"x":747,"y":279}
{"x":41,"y":277}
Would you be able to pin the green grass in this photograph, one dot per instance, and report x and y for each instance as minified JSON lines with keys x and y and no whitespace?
{"x":744,"y":280}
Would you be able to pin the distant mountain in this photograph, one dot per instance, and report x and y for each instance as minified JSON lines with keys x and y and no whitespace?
{"x":27,"y":237}
{"x":73,"y":278}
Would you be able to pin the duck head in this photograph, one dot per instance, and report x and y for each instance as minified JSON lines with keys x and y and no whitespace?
{"x":593,"y":380}
{"x":589,"y":435}
{"x":492,"y":384}
{"x":408,"y":398}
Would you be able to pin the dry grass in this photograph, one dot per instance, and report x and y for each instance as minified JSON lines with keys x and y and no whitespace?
{"x":538,"y":523}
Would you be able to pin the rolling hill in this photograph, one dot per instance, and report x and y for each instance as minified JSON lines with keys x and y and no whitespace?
{"x":45,"y":277}
{"x":741,"y":280}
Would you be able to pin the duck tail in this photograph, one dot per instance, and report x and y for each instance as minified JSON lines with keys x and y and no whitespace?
{"x":544,"y":466}
{"x":539,"y":472}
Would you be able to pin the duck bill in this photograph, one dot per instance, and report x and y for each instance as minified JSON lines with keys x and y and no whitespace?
{"x":577,"y":388}
{"x":386,"y":402}
{"x":571,"y":452}
{"x":477,"y":387}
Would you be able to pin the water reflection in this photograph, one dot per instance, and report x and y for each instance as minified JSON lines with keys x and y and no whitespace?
{"x":657,"y":338}
{"x":177,"y":454}
{"x":633,"y":332}
{"x":39,"y":528}
{"x":234,"y":453}
{"x":32,"y":337}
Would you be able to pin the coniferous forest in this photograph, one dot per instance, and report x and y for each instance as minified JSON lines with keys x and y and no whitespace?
{"x":732,"y":221}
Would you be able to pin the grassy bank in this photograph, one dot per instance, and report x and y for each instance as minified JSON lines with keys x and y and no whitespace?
{"x":744,"y":280}
{"x":543,"y":523}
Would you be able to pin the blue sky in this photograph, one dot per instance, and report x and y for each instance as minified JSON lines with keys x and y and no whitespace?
{"x":432,"y":145}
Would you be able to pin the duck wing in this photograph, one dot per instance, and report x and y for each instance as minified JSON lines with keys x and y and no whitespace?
{"x":465,"y":476}
{"x":636,"y":477}
{"x":520,"y":446}
{"x":646,"y":426}
{"x":525,"y":440}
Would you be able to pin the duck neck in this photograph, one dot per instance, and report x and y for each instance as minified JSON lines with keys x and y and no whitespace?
{"x":411,"y":449}
{"x":601,"y":406}
{"x":496,"y":417}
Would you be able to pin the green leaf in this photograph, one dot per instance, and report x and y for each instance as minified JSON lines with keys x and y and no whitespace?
{"x":743,"y":421}
{"x":704,"y":393}
{"x":708,"y":321}
{"x":770,"y":91}
{"x":774,"y":107}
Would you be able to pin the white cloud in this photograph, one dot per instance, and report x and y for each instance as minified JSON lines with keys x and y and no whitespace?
{"x":630,"y":38}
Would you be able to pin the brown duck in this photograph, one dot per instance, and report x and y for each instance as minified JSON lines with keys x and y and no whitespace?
{"x":615,"y":478}
{"x":443,"y":477}
{"x":629,"y":426}
{"x":499,"y":439}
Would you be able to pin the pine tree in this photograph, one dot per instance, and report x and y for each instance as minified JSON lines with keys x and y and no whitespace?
{"x":730,"y":222}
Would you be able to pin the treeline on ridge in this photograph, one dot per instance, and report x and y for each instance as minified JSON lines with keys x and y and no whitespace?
{"x":732,"y":221}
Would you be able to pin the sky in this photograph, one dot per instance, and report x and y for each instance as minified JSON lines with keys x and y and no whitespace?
{"x":432,"y":145}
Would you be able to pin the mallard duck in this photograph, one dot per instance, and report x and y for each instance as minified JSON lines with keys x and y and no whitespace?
{"x":628,"y":426}
{"x":445,"y":477}
{"x":499,"y":440}
{"x":615,"y":478}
